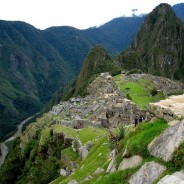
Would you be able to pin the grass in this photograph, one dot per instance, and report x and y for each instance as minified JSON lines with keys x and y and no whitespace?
{"x":139,"y":91}
{"x":113,"y":178}
{"x":97,"y":157}
{"x":71,"y":155}
{"x":45,"y":135}
{"x":69,"y":132}
{"x":90,"y":133}
{"x":138,"y":138}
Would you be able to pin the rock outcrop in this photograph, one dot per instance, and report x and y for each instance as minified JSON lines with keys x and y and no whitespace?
{"x":164,"y":145}
{"x":147,"y":174}
{"x":169,"y":109}
{"x":176,"y":178}
{"x":130,"y":162}
{"x":111,"y":168}
{"x":63,"y":172}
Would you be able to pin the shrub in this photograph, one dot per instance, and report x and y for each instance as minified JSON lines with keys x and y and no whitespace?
{"x":178,"y":158}
{"x":153,"y":92}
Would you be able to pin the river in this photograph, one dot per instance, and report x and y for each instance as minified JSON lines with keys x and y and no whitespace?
{"x":4,"y":148}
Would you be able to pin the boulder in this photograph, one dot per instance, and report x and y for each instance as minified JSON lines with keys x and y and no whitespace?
{"x":99,"y":170}
{"x":111,"y":168}
{"x":73,"y":182}
{"x":176,"y":178}
{"x":147,"y":174}
{"x":83,"y":152}
{"x":63,"y":172}
{"x":130,"y":162}
{"x":164,"y":145}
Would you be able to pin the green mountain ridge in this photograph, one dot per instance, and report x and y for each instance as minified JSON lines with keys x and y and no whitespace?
{"x":43,"y":61}
{"x":157,"y":47}
{"x":36,"y":63}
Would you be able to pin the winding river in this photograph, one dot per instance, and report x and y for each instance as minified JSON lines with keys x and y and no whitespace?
{"x":4,"y":148}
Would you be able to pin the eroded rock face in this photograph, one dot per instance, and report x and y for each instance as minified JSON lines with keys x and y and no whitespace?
{"x":130,"y":162}
{"x":169,"y":109}
{"x":164,"y":145}
{"x":176,"y":178}
{"x":147,"y":174}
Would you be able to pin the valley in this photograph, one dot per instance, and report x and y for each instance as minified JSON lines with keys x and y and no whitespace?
{"x":121,"y":120}
{"x":3,"y":145}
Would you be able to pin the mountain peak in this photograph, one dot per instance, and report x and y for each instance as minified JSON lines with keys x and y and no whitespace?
{"x":157,"y":47}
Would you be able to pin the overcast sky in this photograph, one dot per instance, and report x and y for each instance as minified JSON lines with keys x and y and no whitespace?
{"x":77,"y":13}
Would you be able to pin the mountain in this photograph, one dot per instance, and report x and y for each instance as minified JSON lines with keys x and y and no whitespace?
{"x":93,"y":139}
{"x":36,"y":63}
{"x":31,"y":70}
{"x":158,"y":46}
{"x":96,"y":62}
{"x":179,"y":10}
{"x":116,"y":34}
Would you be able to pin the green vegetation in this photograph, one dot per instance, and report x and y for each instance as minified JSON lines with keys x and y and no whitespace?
{"x":178,"y":158}
{"x":45,"y":135}
{"x":97,"y":157}
{"x":90,"y":133}
{"x":137,"y":139}
{"x":150,"y":50}
{"x":12,"y":166}
{"x":112,"y":178}
{"x":71,"y":155}
{"x":141,"y":91}
{"x":69,"y":132}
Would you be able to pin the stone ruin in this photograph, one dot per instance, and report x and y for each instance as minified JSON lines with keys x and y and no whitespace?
{"x":104,"y":107}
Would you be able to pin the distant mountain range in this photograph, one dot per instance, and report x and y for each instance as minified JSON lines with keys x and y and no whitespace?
{"x":34,"y":63}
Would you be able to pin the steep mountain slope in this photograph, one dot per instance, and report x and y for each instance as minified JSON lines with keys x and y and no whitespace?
{"x":158,"y":46}
{"x":71,"y":44}
{"x":92,"y":139}
{"x":30,"y":71}
{"x":116,"y":34}
{"x":41,"y":62}
{"x":96,"y":62}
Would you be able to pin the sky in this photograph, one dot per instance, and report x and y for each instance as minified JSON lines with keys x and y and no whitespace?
{"x":80,"y":14}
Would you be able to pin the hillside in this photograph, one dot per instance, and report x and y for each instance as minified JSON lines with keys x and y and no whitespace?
{"x":157,"y":47}
{"x":96,"y":62}
{"x":43,"y":61}
{"x":31,"y":70}
{"x":93,"y":139}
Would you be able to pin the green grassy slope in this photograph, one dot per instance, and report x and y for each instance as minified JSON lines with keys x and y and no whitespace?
{"x":140,"y":91}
